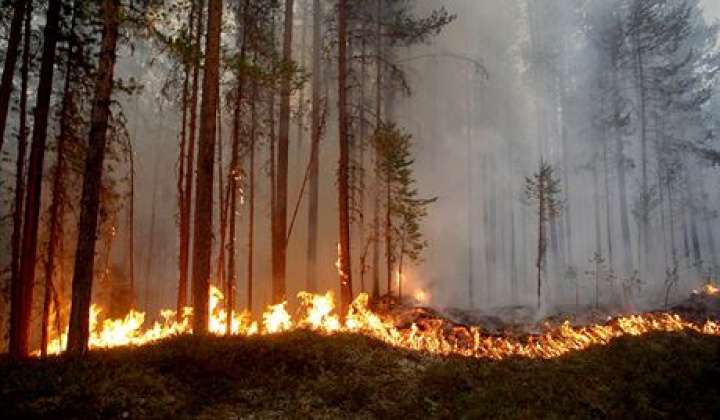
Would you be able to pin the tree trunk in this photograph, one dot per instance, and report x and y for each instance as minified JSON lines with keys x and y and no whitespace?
{"x":202,"y":235}
{"x":344,"y":163}
{"x":58,"y":190}
{"x":541,"y":241}
{"x":251,"y":204}
{"x":622,"y":178}
{"x":79,"y":329}
{"x":21,"y":159}
{"x":150,"y":257}
{"x":11,"y":54}
{"x":314,"y":191}
{"x":644,"y":249}
{"x":378,"y":124}
{"x":21,"y":305}
{"x":186,"y":216}
{"x":223,"y":203}
{"x":235,"y":173}
{"x":279,"y":225}
{"x":598,"y":235}
{"x":182,"y":222}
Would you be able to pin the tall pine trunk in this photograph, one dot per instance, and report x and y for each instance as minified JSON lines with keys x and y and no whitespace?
{"x":314,"y":181}
{"x":235,"y":173}
{"x":16,"y":239}
{"x":11,"y":54}
{"x":58,"y":191}
{"x":378,"y":125}
{"x":344,"y":162}
{"x":22,"y":297}
{"x":251,"y":199}
{"x":79,"y":329}
{"x":202,"y":234}
{"x":279,"y":225}
{"x":186,"y":216}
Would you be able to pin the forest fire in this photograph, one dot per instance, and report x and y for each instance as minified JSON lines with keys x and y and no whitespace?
{"x":317,"y":314}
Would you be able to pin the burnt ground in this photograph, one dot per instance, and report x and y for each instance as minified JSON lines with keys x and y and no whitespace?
{"x":306,"y":375}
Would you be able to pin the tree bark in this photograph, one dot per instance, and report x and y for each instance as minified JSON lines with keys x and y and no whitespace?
{"x":251,"y":204}
{"x":16,"y":239}
{"x":279,"y":225}
{"x":314,"y":190}
{"x":11,"y":54}
{"x":58,"y":190}
{"x":79,"y":329}
{"x":202,"y":235}
{"x":21,"y":308}
{"x":186,"y":216}
{"x":378,"y":125}
{"x":344,"y":163}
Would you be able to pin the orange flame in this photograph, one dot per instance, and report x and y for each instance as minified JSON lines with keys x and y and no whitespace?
{"x":318,"y":315}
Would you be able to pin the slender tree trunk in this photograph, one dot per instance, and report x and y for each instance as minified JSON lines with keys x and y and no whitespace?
{"x":79,"y":329}
{"x":11,"y":54}
{"x":621,"y":178}
{"x":234,"y":178}
{"x":541,"y":241}
{"x":251,"y":210}
{"x":182,"y":221}
{"x":378,"y":125}
{"x":222,"y":206}
{"x":58,"y":189}
{"x":361,"y":165}
{"x":470,"y":195}
{"x":598,"y":235}
{"x":131,"y":224}
{"x":644,"y":239}
{"x":150,"y":257}
{"x":388,"y":232}
{"x":186,"y":217}
{"x":314,"y":190}
{"x":279,"y":225}
{"x":608,"y":209}
{"x":344,"y":162}
{"x":21,"y":158}
{"x":202,"y":235}
{"x":21,"y":308}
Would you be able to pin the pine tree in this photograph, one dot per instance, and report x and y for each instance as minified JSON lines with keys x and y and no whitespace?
{"x":542,"y":189}
{"x":79,"y":329}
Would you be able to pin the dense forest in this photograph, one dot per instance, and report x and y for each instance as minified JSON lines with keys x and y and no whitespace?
{"x":503,"y":153}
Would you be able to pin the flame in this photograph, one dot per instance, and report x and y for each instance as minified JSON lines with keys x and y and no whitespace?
{"x":434,"y":336}
{"x":712,"y":290}
{"x":709,"y":290}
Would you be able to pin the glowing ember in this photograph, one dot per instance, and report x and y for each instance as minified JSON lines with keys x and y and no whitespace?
{"x":712,"y":290}
{"x":708,"y":290}
{"x":318,"y":314}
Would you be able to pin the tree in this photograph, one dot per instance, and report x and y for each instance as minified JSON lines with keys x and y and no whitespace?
{"x":344,"y":161}
{"x":202,"y":239}
{"x":192,"y":76}
{"x":542,"y":190}
{"x":279,"y":219}
{"x":21,"y":157}
{"x":22,"y":290}
{"x":79,"y":328}
{"x":404,"y":209}
{"x":316,"y":135}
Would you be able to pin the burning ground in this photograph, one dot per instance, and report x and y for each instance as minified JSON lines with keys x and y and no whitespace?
{"x":304,"y":374}
{"x":408,"y":363}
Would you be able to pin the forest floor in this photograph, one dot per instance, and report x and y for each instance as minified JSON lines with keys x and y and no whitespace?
{"x":305,"y":375}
